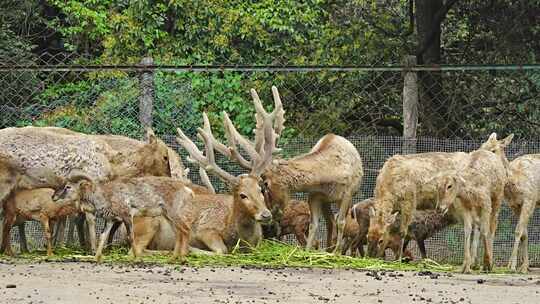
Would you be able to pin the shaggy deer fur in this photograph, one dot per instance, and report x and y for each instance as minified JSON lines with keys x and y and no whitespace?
{"x":405,"y":183}
{"x":13,"y":178}
{"x":240,"y":214}
{"x":120,"y":200}
{"x":351,"y":241}
{"x":102,"y":157}
{"x":294,"y":219}
{"x":522,"y":192}
{"x":425,"y":224}
{"x":218,"y":224}
{"x":474,"y":195}
{"x":361,"y":212}
{"x":330,"y":172}
{"x":36,"y":205}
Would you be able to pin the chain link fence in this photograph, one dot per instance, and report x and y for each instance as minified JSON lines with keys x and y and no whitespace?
{"x":458,"y":107}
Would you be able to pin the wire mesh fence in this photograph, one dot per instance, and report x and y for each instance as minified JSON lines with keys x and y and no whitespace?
{"x":459,"y":106}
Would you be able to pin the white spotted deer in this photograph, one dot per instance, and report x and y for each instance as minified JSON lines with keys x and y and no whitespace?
{"x":330,"y":172}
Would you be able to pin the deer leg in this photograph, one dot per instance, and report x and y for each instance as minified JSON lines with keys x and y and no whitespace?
{"x":467,"y":229}
{"x":59,"y":231}
{"x":81,"y":231}
{"x":362,"y":239}
{"x":422,"y":247}
{"x":521,"y":229}
{"x":330,"y":224}
{"x":142,"y":235}
{"x":9,"y":219}
{"x":406,"y":219}
{"x":356,"y":245}
{"x":198,"y":251}
{"x":524,"y":268}
{"x":213,"y":241}
{"x":91,"y":222}
{"x":113,"y":231}
{"x":103,"y":239}
{"x":344,"y":207}
{"x":22,"y":237}
{"x":299,"y":233}
{"x":48,"y":235}
{"x":181,"y":246}
{"x":71,"y":230}
{"x":485,"y":231}
{"x":474,"y":246}
{"x":315,"y":213}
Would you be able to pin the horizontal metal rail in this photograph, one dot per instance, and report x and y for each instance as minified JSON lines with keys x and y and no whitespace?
{"x":262,"y":68}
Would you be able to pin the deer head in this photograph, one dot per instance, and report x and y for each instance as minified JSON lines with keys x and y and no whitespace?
{"x":269,"y":127}
{"x":379,"y":232}
{"x":497,"y":146}
{"x":245,"y":188}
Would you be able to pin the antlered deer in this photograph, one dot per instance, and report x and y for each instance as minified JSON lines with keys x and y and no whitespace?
{"x":242,"y":212}
{"x":330,"y":172}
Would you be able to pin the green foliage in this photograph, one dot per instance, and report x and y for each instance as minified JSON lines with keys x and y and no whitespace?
{"x":261,"y":32}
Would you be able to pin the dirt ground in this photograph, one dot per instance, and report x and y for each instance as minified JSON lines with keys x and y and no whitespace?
{"x":90,"y":283}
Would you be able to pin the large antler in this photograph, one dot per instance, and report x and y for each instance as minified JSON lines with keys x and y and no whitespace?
{"x":206,"y":180}
{"x":208,"y":162}
{"x":266,"y":135}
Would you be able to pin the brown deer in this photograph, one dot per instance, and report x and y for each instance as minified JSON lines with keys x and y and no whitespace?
{"x":474,"y":194}
{"x":406,"y":182}
{"x":243,"y":211}
{"x":330,"y":172}
{"x":522,"y":192}
{"x":36,"y":204}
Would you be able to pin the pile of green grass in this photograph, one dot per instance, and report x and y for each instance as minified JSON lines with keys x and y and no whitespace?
{"x":269,"y":254}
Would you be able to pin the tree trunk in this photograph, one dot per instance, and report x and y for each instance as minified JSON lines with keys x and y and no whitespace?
{"x":433,"y":104}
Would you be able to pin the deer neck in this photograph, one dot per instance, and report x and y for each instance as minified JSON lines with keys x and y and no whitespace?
{"x":94,"y":197}
{"x":247,"y":228}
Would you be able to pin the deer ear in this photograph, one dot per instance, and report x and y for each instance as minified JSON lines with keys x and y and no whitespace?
{"x":150,"y":136}
{"x":507,"y":140}
{"x":176,"y":167}
{"x":461,"y":180}
{"x":371,"y":212}
{"x":492,"y":137}
{"x":392,"y":218}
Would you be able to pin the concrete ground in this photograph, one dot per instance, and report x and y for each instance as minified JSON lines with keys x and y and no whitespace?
{"x":90,"y":283}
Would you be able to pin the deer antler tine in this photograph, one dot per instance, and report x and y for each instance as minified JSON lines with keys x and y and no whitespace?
{"x":234,"y":138}
{"x":195,"y":155}
{"x":279,"y":113}
{"x":258,"y":104}
{"x":211,"y":161}
{"x":206,"y":180}
{"x":221,"y":148}
{"x":269,"y":146}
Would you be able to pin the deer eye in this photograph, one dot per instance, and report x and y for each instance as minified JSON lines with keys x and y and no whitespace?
{"x":449,"y":186}
{"x":243,"y":196}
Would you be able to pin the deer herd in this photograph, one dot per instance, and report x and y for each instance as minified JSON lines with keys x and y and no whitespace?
{"x":52,"y":174}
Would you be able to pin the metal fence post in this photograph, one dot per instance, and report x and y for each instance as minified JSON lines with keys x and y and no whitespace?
{"x":146,"y":97}
{"x":410,"y":106}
